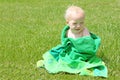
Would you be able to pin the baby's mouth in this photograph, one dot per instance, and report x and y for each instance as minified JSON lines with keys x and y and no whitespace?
{"x":77,"y":29}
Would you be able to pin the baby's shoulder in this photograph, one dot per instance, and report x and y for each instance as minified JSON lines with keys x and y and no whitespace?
{"x":86,"y":32}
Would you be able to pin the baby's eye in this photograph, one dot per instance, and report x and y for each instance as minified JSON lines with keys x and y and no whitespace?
{"x":74,"y":23}
{"x":81,"y":22}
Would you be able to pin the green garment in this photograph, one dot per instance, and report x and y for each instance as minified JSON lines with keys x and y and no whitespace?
{"x":75,"y":56}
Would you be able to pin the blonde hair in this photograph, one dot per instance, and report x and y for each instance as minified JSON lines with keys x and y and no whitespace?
{"x":73,"y":10}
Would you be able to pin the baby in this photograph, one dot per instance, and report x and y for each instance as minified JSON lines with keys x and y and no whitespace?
{"x":75,"y":19}
{"x":77,"y":51}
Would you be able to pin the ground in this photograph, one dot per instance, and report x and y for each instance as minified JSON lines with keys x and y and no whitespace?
{"x":28,"y":28}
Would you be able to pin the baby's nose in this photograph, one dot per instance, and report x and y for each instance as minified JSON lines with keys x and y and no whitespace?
{"x":78,"y":25}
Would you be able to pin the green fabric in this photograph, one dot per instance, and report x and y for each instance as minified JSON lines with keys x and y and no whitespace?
{"x":75,"y":56}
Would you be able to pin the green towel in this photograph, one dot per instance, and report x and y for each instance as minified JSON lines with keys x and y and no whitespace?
{"x":77,"y":56}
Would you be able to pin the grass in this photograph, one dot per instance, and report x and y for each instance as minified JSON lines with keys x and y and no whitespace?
{"x":28,"y":28}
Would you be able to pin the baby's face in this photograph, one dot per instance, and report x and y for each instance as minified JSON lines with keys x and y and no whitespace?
{"x":76,"y":24}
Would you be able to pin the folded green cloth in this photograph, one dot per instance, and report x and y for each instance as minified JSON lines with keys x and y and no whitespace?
{"x":75,"y":56}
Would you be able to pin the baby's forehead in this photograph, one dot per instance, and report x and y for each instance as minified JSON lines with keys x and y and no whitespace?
{"x":74,"y":15}
{"x":76,"y":19}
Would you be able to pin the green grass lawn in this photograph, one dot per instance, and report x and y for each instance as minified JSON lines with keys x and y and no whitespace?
{"x":28,"y":28}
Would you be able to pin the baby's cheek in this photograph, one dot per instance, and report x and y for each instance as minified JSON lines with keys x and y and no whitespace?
{"x":73,"y":26}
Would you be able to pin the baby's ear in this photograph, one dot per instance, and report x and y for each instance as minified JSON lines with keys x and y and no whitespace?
{"x":67,"y":22}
